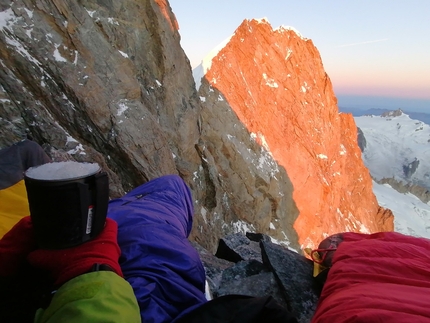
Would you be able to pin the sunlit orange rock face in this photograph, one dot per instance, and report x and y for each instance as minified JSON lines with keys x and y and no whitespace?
{"x":275,"y":81}
{"x":168,"y":14}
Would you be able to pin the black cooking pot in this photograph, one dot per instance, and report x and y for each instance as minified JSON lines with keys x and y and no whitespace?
{"x":68,"y":203}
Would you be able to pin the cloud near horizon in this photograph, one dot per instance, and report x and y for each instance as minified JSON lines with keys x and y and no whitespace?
{"x":363,"y":43}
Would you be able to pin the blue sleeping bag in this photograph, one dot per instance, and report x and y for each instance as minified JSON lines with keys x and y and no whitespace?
{"x":165,"y":271}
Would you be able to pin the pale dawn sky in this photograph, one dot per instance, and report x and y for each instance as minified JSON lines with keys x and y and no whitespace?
{"x":369,"y":48}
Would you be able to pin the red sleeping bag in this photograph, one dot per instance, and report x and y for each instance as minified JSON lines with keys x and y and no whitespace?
{"x":381,"y":277}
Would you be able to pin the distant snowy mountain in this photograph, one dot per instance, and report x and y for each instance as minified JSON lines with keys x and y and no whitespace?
{"x":358,"y":112}
{"x":398,"y":147}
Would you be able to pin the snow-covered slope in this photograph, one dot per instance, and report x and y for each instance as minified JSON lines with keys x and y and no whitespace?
{"x":399,"y":147}
{"x":411,"y":216}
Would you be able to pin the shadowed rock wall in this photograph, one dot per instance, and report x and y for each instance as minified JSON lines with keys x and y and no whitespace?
{"x":107,"y":81}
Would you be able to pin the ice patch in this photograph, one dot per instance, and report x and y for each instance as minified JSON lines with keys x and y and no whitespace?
{"x":113,"y":21}
{"x":289,"y":52}
{"x":122,"y":108}
{"x":269,"y":81}
{"x":20,"y":49}
{"x":7,"y":18}
{"x":242,"y":227}
{"x":75,"y":62}
{"x":57,"y":55}
{"x":342,"y":150}
{"x":91,"y":13}
{"x":29,"y":13}
{"x":123,"y":54}
{"x":203,"y":213}
{"x":79,"y":149}
{"x":71,"y":139}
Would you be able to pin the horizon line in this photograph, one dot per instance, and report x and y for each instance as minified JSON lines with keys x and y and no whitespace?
{"x":362,"y":43}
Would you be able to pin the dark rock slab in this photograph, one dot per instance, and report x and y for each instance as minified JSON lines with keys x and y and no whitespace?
{"x":213,"y":266}
{"x":262,"y":284}
{"x":250,"y":278}
{"x":294,"y":275}
{"x":237,"y":247}
{"x":243,"y":269}
{"x":257,"y":237}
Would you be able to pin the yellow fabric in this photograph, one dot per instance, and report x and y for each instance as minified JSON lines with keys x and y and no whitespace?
{"x":317,"y":267}
{"x":13,"y":206}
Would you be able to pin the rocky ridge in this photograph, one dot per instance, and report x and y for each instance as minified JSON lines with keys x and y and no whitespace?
{"x":420,"y":192}
{"x":108,"y":82}
{"x":274,"y":80}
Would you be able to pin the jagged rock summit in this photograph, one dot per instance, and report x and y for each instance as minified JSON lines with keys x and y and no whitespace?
{"x":394,"y":113}
{"x":275,"y":82}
